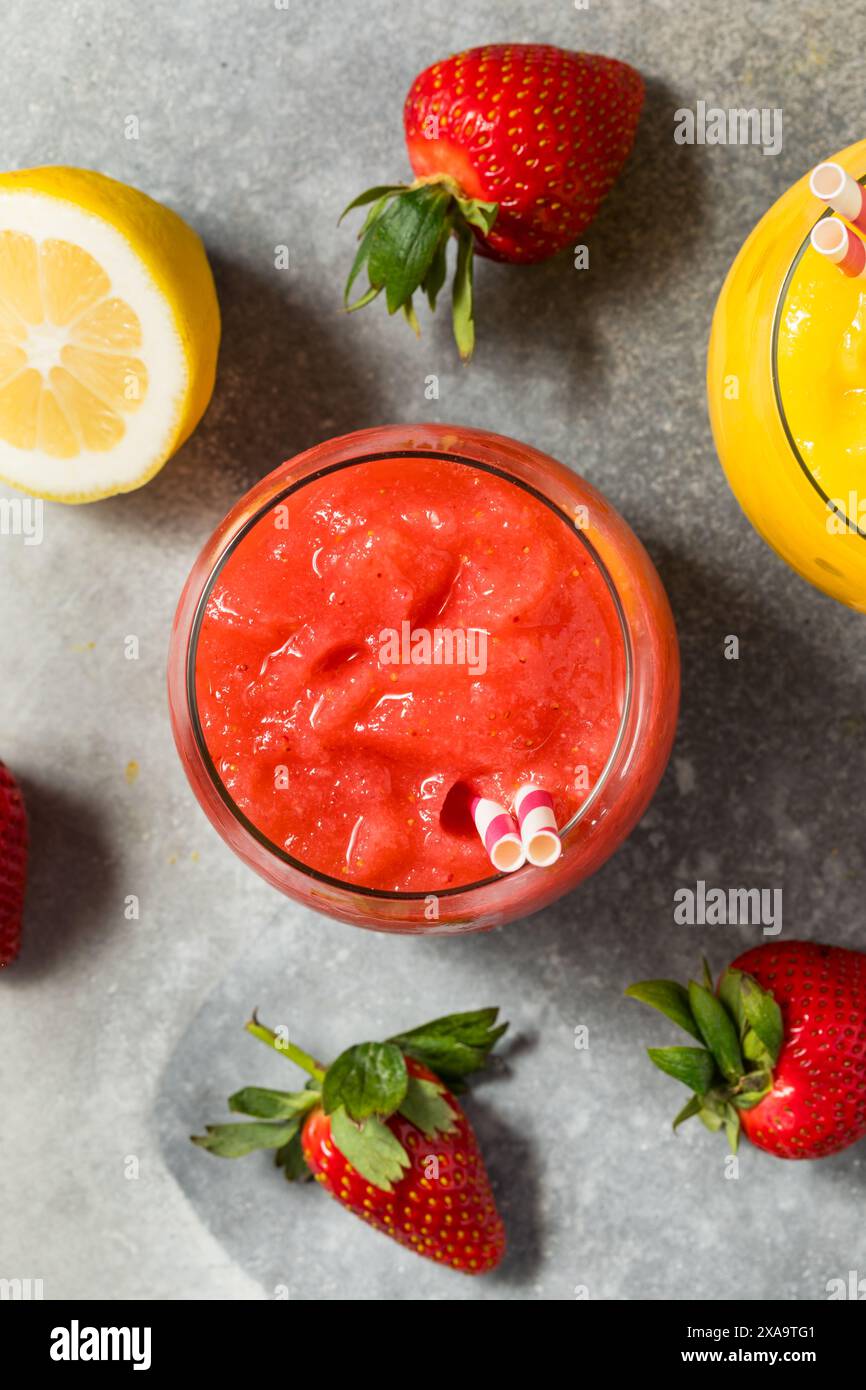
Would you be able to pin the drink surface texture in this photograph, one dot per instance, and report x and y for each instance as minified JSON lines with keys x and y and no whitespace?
{"x":390,"y":638}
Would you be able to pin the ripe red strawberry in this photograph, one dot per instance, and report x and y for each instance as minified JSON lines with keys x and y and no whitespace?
{"x":514,"y":147}
{"x":442,"y":1207}
{"x":784,"y":1047}
{"x":537,"y":130}
{"x":380,"y":1130}
{"x":13,"y":865}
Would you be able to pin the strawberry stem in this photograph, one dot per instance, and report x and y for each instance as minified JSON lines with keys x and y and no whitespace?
{"x":286,"y":1049}
{"x":403,"y":246}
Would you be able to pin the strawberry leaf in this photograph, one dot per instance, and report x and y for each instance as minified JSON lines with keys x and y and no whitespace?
{"x":764,"y":1016}
{"x":670,"y":998}
{"x":692,"y":1065}
{"x":461,"y":296}
{"x":381,"y":193}
{"x":368,"y":1079}
{"x":271,"y":1105}
{"x":411,"y":318}
{"x":425,"y":1106}
{"x":435,"y":277}
{"x":371,"y":1148}
{"x":404,"y":242}
{"x":365,"y":238}
{"x":292,"y":1161}
{"x":367,"y":298}
{"x":360,"y":257}
{"x":717,"y":1030}
{"x":478,"y":214}
{"x":234,"y":1141}
{"x":691,"y":1107}
{"x":732,"y":1127}
{"x":730,"y":993}
{"x":453,"y":1046}
{"x":714,"y":1110}
{"x":752,"y":1089}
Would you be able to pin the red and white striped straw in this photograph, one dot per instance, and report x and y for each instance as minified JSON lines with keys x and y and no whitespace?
{"x":499,"y":835}
{"x":844,"y":195}
{"x":538,"y":828}
{"x":831,"y":239}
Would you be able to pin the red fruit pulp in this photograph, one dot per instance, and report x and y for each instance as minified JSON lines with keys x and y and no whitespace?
{"x":818,"y":1102}
{"x":361,"y":766}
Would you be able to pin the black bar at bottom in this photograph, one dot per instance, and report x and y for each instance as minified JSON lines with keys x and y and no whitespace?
{"x":65,"y":1338}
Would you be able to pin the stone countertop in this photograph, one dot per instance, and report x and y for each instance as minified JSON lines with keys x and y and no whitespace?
{"x":120,"y":1038}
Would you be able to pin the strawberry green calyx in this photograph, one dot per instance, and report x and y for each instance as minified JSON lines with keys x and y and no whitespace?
{"x":279,"y":1115}
{"x":359,"y":1092}
{"x":739,"y":1029}
{"x":403,"y":243}
{"x":455,"y":1046}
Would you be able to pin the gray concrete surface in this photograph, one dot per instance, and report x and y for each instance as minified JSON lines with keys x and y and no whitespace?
{"x":119,"y":1038}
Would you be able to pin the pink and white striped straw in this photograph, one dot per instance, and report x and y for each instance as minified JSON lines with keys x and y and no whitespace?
{"x":538,"y":828}
{"x":499,"y":835}
{"x":844,"y":195}
{"x":832,"y":239}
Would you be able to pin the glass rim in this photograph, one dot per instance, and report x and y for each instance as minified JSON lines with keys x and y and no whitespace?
{"x":777,"y":385}
{"x":216,"y":781}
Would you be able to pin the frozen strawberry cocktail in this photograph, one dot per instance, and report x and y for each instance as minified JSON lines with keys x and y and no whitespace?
{"x":391,"y":639}
{"x":400,"y":644}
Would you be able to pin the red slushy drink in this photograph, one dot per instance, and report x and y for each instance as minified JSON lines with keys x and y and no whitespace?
{"x":401,"y":626}
{"x":392,"y":639}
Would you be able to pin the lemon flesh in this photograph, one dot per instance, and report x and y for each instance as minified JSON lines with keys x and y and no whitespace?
{"x":109,"y":329}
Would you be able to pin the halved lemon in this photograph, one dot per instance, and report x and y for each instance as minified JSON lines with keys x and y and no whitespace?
{"x":109,"y":329}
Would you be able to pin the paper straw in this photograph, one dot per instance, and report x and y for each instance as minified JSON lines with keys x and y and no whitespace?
{"x":834,"y":186}
{"x":831,"y":239}
{"x":498,"y":831}
{"x":538,"y":829}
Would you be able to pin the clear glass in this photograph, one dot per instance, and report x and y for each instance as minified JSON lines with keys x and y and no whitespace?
{"x":779,"y":491}
{"x":634,"y":766}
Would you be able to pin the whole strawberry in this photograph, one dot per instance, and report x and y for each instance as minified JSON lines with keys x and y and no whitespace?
{"x":514,"y":147}
{"x":13,"y":864}
{"x":783,"y":1047}
{"x":380,"y":1130}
